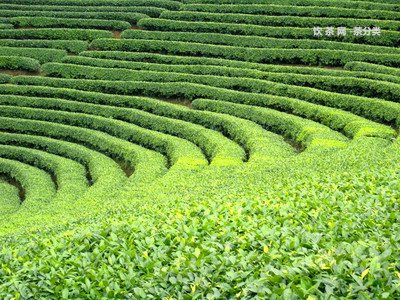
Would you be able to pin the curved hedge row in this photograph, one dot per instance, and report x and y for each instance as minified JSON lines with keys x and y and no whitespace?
{"x":253,"y":41}
{"x":362,"y":66}
{"x":43,"y":22}
{"x":42,"y":55}
{"x":216,"y":147}
{"x":171,"y":64}
{"x":56,"y":34}
{"x":9,"y":198}
{"x":19,"y":63}
{"x":147,"y":164}
{"x":286,"y":21}
{"x":180,"y":152}
{"x":207,"y":65}
{"x":6,"y":26}
{"x":257,"y":142}
{"x":377,"y":109}
{"x":4,"y":78}
{"x":293,"y":56}
{"x":147,"y":10}
{"x":352,"y":125}
{"x":70,"y":176}
{"x":387,"y":38}
{"x":102,"y":171}
{"x":303,"y":131}
{"x":130,"y":17}
{"x":325,"y":3}
{"x":73,"y":46}
{"x":346,"y":85}
{"x":266,"y":9}
{"x":37,"y":184}
{"x":168,"y":4}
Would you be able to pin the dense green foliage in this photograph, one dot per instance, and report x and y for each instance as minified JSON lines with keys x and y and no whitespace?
{"x":40,"y":54}
{"x":42,"y":22}
{"x":387,"y":38}
{"x":199,"y":149}
{"x":19,"y":63}
{"x":267,"y":55}
{"x":72,"y":46}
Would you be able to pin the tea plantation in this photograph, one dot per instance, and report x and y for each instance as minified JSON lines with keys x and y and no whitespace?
{"x":199,"y":149}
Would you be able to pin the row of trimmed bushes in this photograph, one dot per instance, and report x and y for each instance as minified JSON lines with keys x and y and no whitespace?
{"x":207,"y":65}
{"x":345,"y":84}
{"x":55,"y":34}
{"x":350,"y":124}
{"x":73,"y":46}
{"x":170,"y":64}
{"x":37,"y":184}
{"x":6,"y":26}
{"x":147,"y":164}
{"x":307,"y":11}
{"x":179,"y":151}
{"x":367,"y":67}
{"x":168,"y":4}
{"x":4,"y":78}
{"x":104,"y":172}
{"x":70,"y":176}
{"x":215,"y":146}
{"x":286,"y":21}
{"x":258,"y":143}
{"x":325,"y":3}
{"x":42,"y":55}
{"x":387,"y":38}
{"x":324,"y":57}
{"x":147,"y":10}
{"x":253,"y":41}
{"x":303,"y":131}
{"x":130,"y":17}
{"x":366,"y":86}
{"x":44,"y":22}
{"x":9,"y":198}
{"x":19,"y":63}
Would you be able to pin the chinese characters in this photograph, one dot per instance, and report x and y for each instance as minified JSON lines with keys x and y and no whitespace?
{"x":342,"y":31}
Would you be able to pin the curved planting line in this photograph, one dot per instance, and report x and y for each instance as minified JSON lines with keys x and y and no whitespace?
{"x":216,"y":147}
{"x":353,"y":4}
{"x":150,"y":11}
{"x":37,"y":184}
{"x":324,"y":57}
{"x":19,"y":63}
{"x":362,"y":66}
{"x":313,"y":11}
{"x":257,"y":142}
{"x":181,"y":153}
{"x":347,"y":83}
{"x":46,"y":22}
{"x":199,"y":65}
{"x":292,"y":21}
{"x":9,"y":198}
{"x":56,"y":34}
{"x":69,"y":176}
{"x":131,"y":17}
{"x":253,"y":41}
{"x":267,"y":88}
{"x":42,"y":55}
{"x":147,"y":164}
{"x":352,"y":125}
{"x":102,"y":172}
{"x":168,"y":4}
{"x":387,"y":38}
{"x":73,"y":46}
{"x":308,"y":133}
